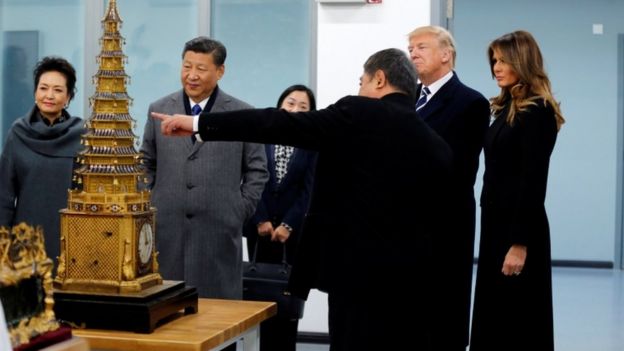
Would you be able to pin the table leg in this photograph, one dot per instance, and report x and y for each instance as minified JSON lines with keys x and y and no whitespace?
{"x":250,"y":341}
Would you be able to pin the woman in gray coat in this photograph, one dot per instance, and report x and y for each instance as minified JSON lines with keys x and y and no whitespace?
{"x":37,"y":159}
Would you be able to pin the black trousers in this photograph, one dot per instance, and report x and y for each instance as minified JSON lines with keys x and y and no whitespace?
{"x":373,"y":318}
{"x":278,"y":334}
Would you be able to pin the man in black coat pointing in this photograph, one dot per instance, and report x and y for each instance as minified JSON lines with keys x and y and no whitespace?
{"x":379,"y":186}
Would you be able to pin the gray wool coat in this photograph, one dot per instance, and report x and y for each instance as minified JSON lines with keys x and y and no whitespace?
{"x":203,"y":193}
{"x":36,"y":169}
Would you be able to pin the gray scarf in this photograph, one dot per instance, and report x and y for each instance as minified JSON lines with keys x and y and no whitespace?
{"x":58,"y":140}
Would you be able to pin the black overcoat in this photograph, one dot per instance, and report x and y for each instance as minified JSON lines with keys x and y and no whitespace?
{"x":378,"y":188}
{"x":515,"y":312}
{"x":461,"y":116}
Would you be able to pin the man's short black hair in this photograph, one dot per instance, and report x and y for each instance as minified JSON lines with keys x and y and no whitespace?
{"x":206,"y":45}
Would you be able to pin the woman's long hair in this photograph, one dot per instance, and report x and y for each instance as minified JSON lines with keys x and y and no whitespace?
{"x":520,"y":50}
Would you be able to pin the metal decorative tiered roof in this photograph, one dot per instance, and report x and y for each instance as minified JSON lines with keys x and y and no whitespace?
{"x":110,"y":169}
{"x":107,"y":230}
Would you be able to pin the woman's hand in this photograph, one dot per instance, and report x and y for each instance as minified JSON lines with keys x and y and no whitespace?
{"x":514,"y":260}
{"x":281,"y":234}
{"x":265,"y":228}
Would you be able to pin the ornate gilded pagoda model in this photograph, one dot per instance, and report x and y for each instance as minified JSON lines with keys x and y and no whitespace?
{"x":107,"y":229}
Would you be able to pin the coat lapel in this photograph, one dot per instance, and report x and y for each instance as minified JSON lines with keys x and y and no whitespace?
{"x":290,"y":167}
{"x":219,"y":106}
{"x":176,"y":105}
{"x":270,"y":151}
{"x":496,"y":127}
{"x":439,"y":100}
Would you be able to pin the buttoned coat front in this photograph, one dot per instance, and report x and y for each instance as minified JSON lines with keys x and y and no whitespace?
{"x":204,"y":193}
{"x":375,"y":204}
{"x":460,"y":115}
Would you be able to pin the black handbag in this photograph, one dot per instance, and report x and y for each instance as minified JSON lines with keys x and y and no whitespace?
{"x":269,"y":282}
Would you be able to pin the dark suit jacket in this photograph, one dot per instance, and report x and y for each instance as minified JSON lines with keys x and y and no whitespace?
{"x":378,"y":189}
{"x":286,"y":201}
{"x":460,"y":115}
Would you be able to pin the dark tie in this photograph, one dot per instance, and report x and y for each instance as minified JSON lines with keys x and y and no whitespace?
{"x":423,"y":97}
{"x":196,"y":109}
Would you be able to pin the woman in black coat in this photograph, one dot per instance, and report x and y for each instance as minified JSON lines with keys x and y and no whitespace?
{"x":513,"y":296}
{"x":276,"y":225}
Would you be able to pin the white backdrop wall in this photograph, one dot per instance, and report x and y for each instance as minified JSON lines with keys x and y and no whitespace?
{"x":347,"y":35}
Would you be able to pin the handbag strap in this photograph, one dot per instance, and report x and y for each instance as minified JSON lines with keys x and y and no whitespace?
{"x":255,"y":253}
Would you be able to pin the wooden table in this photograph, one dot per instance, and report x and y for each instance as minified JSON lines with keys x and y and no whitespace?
{"x":217,"y":324}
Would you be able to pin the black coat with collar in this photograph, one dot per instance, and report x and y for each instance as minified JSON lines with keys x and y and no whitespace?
{"x":517,"y":158}
{"x":286,"y":201}
{"x":460,"y":115}
{"x":378,"y":190}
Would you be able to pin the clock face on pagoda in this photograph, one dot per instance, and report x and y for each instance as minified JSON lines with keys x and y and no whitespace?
{"x":146,"y":243}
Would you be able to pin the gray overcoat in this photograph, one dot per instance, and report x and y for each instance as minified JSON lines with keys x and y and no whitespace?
{"x":203,"y":193}
{"x":36,"y":168}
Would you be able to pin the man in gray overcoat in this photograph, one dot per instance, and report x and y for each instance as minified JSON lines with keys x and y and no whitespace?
{"x":203,"y":192}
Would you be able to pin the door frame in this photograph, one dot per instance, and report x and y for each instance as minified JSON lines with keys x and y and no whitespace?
{"x":442,"y":13}
{"x":619,"y":232}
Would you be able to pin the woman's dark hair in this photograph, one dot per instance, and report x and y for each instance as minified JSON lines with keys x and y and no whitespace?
{"x":298,"y":87}
{"x":520,"y":51}
{"x":57,"y":64}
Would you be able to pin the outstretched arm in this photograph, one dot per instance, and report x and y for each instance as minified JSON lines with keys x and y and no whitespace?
{"x":175,"y":125}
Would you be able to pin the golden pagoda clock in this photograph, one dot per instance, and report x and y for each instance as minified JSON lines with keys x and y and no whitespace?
{"x":107,"y":229}
{"x":107,"y":276}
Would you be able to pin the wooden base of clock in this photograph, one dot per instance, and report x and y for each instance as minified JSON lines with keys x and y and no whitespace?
{"x":138,"y":312}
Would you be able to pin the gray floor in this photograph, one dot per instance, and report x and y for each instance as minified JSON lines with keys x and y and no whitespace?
{"x":588,"y":308}
{"x":312,"y":347}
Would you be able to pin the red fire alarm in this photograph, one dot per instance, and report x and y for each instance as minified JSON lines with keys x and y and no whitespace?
{"x":373,"y":1}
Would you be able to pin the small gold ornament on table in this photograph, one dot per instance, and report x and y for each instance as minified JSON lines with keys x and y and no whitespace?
{"x":26,"y":283}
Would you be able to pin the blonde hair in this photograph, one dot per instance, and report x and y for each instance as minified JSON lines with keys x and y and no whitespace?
{"x":444,"y":37}
{"x":520,"y":50}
